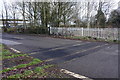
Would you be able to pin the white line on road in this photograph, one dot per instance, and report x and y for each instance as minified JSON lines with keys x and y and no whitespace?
{"x":66,"y":47}
{"x":77,"y":52}
{"x":78,"y":41}
{"x":59,"y":48}
{"x":74,"y":74}
{"x":9,"y":42}
{"x":15,"y":50}
{"x":18,"y":37}
{"x":80,"y":44}
{"x":32,"y":53}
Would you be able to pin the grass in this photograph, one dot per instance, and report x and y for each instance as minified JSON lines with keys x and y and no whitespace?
{"x":88,"y":38}
{"x":26,"y":73}
{"x":34,"y":68}
{"x":13,"y":56}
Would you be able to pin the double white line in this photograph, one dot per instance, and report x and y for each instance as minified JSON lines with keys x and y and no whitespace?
{"x":79,"y":51}
{"x":59,"y":48}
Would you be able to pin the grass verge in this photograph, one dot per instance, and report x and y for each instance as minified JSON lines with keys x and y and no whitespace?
{"x":23,"y":66}
{"x":87,"y":38}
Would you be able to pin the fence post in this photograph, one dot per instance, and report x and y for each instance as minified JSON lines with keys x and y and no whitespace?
{"x":98,"y":33}
{"x":82,"y":31}
{"x":88,"y":32}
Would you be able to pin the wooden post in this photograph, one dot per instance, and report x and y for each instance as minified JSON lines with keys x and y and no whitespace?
{"x":82,"y":31}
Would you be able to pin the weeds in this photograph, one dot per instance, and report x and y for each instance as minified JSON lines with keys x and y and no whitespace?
{"x":13,"y":56}
{"x":35,"y":61}
{"x":34,"y":69}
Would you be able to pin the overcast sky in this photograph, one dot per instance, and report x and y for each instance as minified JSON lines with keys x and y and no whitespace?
{"x":10,"y":1}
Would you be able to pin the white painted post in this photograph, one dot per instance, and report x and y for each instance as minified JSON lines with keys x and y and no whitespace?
{"x":98,"y":33}
{"x":82,"y":31}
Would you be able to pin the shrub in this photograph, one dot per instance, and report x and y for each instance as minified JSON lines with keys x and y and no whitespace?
{"x":89,"y":37}
{"x":47,"y":66}
{"x":12,"y":30}
{"x":27,"y":73}
{"x":15,"y":76}
{"x":38,"y":69}
{"x":114,"y":40}
{"x":12,"y":55}
{"x":21,"y":66}
{"x":37,"y":60}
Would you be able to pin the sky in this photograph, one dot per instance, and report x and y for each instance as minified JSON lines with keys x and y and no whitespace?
{"x":10,"y":1}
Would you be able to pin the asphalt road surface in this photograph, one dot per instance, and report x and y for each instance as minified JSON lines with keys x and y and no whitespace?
{"x":91,"y":59}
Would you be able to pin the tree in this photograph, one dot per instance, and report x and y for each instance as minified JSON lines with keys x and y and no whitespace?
{"x":45,"y":14}
{"x":61,"y":13}
{"x":67,"y":12}
{"x":100,"y":17}
{"x":21,"y":7}
{"x":6,"y":12}
{"x":114,"y":19}
{"x":13,"y":10}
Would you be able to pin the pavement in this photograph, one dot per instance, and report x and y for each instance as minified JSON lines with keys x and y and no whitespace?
{"x":90,"y":59}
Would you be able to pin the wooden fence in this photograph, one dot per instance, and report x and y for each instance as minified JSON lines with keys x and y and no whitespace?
{"x":104,"y":33}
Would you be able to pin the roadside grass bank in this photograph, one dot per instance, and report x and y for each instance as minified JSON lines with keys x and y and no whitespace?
{"x":87,"y":38}
{"x":19,"y":65}
{"x":83,"y":38}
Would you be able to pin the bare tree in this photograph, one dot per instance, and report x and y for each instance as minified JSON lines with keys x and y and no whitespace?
{"x":6,"y":12}
{"x":13,"y":10}
{"x":2,"y":18}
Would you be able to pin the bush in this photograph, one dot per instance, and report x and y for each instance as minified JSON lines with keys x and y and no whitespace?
{"x":38,"y":30}
{"x":12,"y":30}
{"x":89,"y":37}
{"x":38,"y":69}
{"x":28,"y":30}
{"x":114,"y":40}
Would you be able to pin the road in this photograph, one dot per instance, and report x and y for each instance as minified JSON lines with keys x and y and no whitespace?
{"x":91,"y":59}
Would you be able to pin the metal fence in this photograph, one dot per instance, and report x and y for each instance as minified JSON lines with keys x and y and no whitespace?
{"x":104,"y":33}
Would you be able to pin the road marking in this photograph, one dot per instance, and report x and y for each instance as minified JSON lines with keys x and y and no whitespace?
{"x":80,"y":44}
{"x":51,"y":59}
{"x":74,"y":74}
{"x":56,"y":49}
{"x":67,"y":47}
{"x":78,"y":41}
{"x":32,"y":53}
{"x":9,"y":42}
{"x":59,"y":48}
{"x":15,"y":50}
{"x":85,"y":50}
{"x":78,"y":57}
{"x":18,"y":37}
